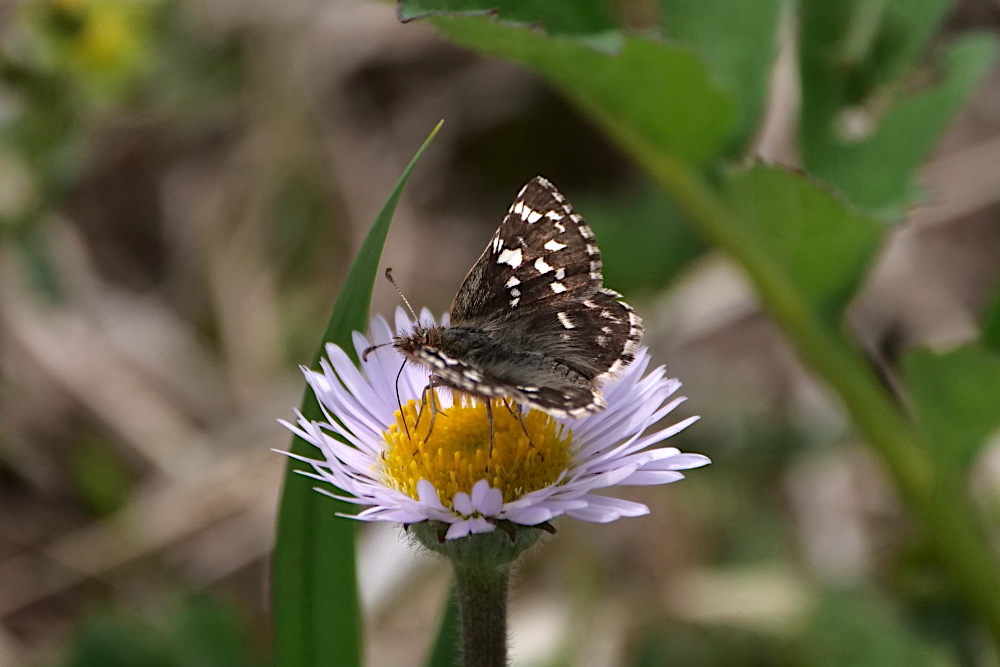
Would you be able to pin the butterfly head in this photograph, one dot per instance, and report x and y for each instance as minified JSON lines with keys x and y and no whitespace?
{"x":419,"y":338}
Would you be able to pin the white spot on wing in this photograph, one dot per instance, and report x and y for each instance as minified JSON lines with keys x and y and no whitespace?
{"x":518,"y":207}
{"x":541,"y":266}
{"x":554,"y":215}
{"x":566,"y":322}
{"x":560,"y":274}
{"x":553,"y":245}
{"x":533,"y":217}
{"x":558,"y":288}
{"x":514,"y":302}
{"x":515,"y":292}
{"x":513,"y":282}
{"x":512,"y":257}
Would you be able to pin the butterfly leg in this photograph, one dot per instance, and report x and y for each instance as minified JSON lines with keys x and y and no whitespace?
{"x":423,"y":404}
{"x":489,"y":415}
{"x":432,"y":403}
{"x":520,"y":417}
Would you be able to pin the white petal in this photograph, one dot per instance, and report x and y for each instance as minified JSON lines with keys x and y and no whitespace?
{"x":529,"y":516}
{"x":487,"y":501}
{"x":428,"y":495}
{"x":462,"y":503}
{"x":403,"y":323}
{"x":665,"y":433}
{"x":480,"y":525}
{"x":601,"y":509}
{"x":678,"y":462}
{"x":479,"y":490}
{"x":458,"y":529}
{"x":651,"y":477}
{"x":368,"y":403}
{"x":380,"y":331}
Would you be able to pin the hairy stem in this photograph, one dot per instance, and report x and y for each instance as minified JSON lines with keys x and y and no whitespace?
{"x":482,"y":602}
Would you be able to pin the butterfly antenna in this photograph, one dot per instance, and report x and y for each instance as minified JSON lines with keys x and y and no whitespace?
{"x":400,"y":403}
{"x":388,"y":276}
{"x":364,"y":355}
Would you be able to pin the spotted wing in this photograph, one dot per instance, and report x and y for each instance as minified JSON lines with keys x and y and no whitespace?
{"x":598,"y":335}
{"x":532,"y":320}
{"x":543,"y":253}
{"x":552,"y":360}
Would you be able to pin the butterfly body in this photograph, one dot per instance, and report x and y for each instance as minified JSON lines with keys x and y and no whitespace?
{"x":532,"y":320}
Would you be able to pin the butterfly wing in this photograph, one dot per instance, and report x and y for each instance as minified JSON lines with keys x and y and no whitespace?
{"x":543,"y":252}
{"x":532,"y":319}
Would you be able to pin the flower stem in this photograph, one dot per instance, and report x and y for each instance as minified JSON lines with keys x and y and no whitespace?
{"x":482,"y":602}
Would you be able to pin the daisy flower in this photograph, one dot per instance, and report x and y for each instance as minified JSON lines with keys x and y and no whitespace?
{"x":383,"y":455}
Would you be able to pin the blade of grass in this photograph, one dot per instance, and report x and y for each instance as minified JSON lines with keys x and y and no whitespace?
{"x":316,"y":611}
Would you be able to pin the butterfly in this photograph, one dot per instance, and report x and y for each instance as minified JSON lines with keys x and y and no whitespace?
{"x":532,"y":321}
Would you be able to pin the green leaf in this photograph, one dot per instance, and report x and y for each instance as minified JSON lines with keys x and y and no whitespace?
{"x":644,"y":241}
{"x":580,"y":17}
{"x":446,"y":650}
{"x":956,"y":396}
{"x":823,"y":248}
{"x":869,"y":116}
{"x":660,"y":93}
{"x":316,"y":612}
{"x":739,"y":42}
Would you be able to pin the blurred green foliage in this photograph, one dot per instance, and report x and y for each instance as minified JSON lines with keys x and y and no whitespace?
{"x":822,"y":247}
{"x":644,"y":241}
{"x":199,"y":633}
{"x":580,"y":18}
{"x":681,"y":646}
{"x":739,"y":41}
{"x":853,"y":629}
{"x":957,"y":396}
{"x":67,"y":67}
{"x":100,"y":475}
{"x":659,"y":94}
{"x":872,"y":107}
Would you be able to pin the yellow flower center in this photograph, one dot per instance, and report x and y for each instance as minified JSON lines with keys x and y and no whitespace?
{"x":457,"y":453}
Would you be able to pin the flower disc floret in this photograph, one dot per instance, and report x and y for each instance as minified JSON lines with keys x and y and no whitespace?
{"x":457,"y":452}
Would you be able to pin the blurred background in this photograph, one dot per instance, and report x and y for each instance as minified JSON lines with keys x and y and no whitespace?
{"x":182,"y":187}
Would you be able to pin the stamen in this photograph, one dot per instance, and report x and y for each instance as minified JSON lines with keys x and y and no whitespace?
{"x":528,"y":452}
